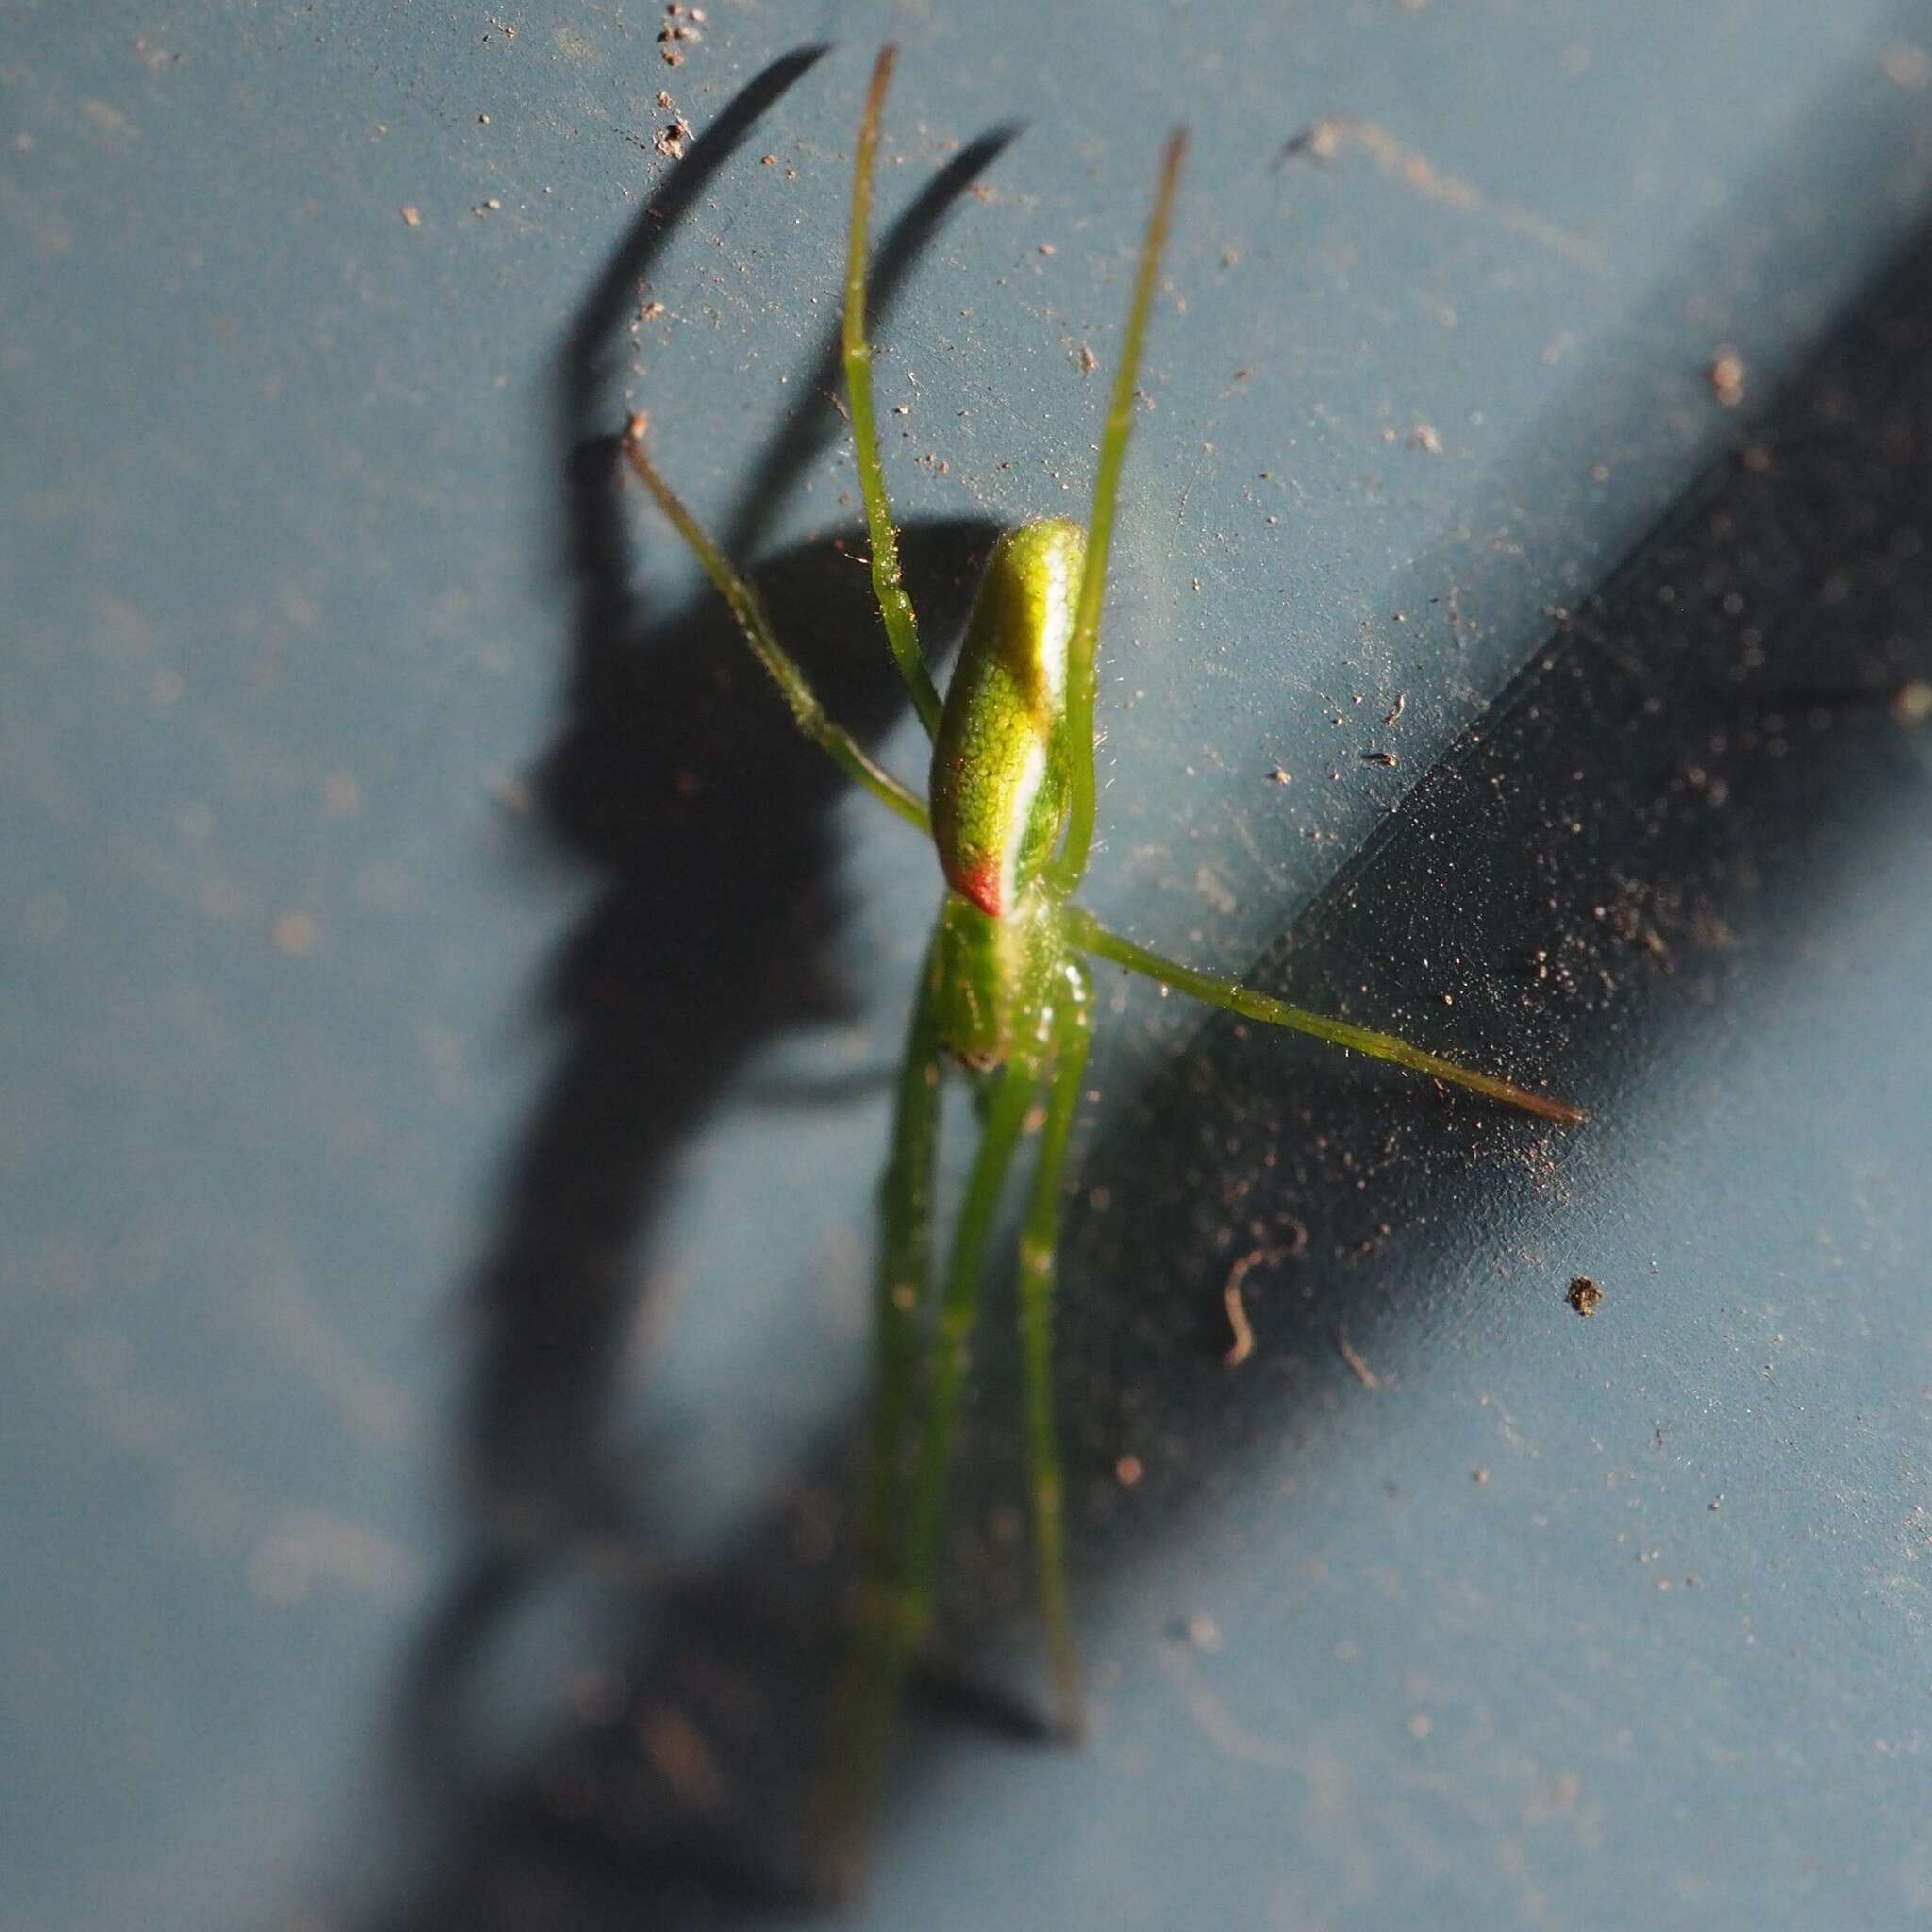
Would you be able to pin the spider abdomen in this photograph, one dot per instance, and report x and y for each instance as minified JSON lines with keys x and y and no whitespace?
{"x":1000,"y":760}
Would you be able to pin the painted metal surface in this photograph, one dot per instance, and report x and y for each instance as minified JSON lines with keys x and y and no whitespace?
{"x":445,"y":1016}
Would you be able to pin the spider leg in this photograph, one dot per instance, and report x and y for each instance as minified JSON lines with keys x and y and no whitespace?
{"x":807,"y":713}
{"x":1039,"y":1251}
{"x":904,"y":1282}
{"x":1086,"y":932}
{"x":895,"y":607}
{"x":1071,"y":863}
{"x":894,"y":1622}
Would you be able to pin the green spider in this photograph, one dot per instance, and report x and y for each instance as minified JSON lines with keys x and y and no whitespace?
{"x":1005,"y":992}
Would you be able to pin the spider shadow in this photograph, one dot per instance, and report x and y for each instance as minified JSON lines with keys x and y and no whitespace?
{"x":678,"y":781}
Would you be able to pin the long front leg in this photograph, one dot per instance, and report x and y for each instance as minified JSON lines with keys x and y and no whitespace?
{"x":807,"y":713}
{"x":1071,"y":862}
{"x":1090,"y":937}
{"x":1039,"y":1238}
{"x":895,"y":607}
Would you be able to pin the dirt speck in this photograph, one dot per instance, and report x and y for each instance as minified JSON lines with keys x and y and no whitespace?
{"x":1911,"y":704}
{"x":1908,"y":65}
{"x":1584,"y":1295}
{"x":676,"y":1750}
{"x":294,"y":934}
{"x":1727,"y":376}
{"x":1363,"y":1374}
{"x":411,"y":214}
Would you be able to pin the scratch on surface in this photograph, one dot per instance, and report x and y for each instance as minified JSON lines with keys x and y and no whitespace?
{"x":1211,"y":1716}
{"x":1328,"y":137}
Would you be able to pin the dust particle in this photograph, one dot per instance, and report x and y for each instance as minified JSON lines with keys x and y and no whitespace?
{"x":1423,"y":436}
{"x":1128,"y":1470}
{"x":1584,"y":1295}
{"x":1242,"y":1346}
{"x":677,"y":1751}
{"x":413,"y":216}
{"x":1912,"y":703}
{"x":1087,"y":359}
{"x":294,"y":934}
{"x":1728,"y":377}
{"x":1907,"y":66}
{"x":1363,"y":1374}
{"x":1197,"y":1632}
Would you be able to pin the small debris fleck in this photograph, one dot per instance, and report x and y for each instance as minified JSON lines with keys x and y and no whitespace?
{"x":1087,"y":359}
{"x":294,"y":934}
{"x":1479,"y":1476}
{"x":1128,"y":1470}
{"x":1584,"y":1295}
{"x":650,"y":311}
{"x":1423,"y":436}
{"x":1378,"y":758}
{"x":1363,"y":1374}
{"x":1907,"y":66}
{"x":1242,"y":1346}
{"x":1197,"y":1632}
{"x":1912,"y":703}
{"x":768,"y":161}
{"x":1728,"y":377}
{"x":1396,"y":710}
{"x":413,"y":216}
{"x":1279,"y":777}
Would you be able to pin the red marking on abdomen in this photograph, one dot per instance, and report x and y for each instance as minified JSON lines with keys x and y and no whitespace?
{"x":981,"y":884}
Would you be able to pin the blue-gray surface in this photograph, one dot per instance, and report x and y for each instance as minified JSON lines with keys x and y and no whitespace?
{"x":444,"y":1015}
